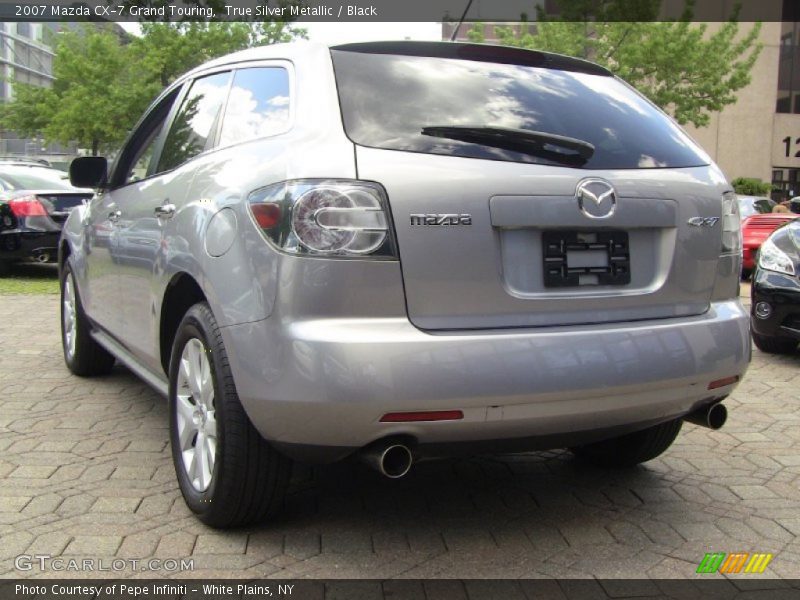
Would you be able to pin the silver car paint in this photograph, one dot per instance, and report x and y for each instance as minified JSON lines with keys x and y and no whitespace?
{"x":321,"y":348}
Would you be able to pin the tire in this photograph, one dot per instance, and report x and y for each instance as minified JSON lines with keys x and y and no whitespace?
{"x":245,"y":479}
{"x":5,"y":268}
{"x":631,"y":449}
{"x":774,"y":345}
{"x":83,"y":356}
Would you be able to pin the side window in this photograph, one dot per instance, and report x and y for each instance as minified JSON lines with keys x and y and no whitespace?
{"x":196,"y":121}
{"x":141,"y":164}
{"x":258,"y":105}
{"x":137,"y":157}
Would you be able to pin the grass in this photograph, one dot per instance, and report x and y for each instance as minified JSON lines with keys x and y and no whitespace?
{"x":30,"y":278}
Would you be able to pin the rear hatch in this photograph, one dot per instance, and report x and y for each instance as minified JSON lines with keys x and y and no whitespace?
{"x":502,"y":216}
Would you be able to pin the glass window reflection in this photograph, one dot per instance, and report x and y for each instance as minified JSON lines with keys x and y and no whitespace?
{"x":196,"y":120}
{"x":387,"y":100}
{"x":258,"y":105}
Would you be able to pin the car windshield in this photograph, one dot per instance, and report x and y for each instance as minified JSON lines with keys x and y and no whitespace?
{"x":34,"y":178}
{"x":393,"y":101}
{"x":754,"y":206}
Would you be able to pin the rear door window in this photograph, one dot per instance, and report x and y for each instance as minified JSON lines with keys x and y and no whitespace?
{"x":388,"y":99}
{"x":196,"y":122}
{"x":258,"y":105}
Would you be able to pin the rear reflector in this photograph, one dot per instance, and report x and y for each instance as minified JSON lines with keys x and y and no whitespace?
{"x":723,"y":382}
{"x":428,"y":415}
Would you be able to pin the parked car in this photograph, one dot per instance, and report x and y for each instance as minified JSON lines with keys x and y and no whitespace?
{"x":405,"y":250}
{"x":775,"y":293}
{"x":34,"y":203}
{"x":758,"y":222}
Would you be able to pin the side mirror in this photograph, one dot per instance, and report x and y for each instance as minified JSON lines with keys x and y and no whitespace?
{"x":88,"y":171}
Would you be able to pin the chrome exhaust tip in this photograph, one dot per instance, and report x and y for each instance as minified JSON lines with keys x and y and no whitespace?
{"x":43,"y":257}
{"x":712,"y":416}
{"x":391,"y":460}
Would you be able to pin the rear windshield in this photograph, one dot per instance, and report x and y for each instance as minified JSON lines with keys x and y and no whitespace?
{"x":388,"y":99}
{"x":32,"y":178}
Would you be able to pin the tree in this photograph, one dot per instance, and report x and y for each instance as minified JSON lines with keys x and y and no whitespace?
{"x":684,"y":67}
{"x":89,"y":98}
{"x":747,"y":186}
{"x":167,"y":50}
{"x":102,"y":84}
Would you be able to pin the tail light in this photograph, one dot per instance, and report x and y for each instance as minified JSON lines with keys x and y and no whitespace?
{"x":731,"y":224}
{"x":339,"y":218}
{"x":27,"y":206}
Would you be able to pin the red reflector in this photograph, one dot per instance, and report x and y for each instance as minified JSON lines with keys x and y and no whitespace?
{"x":27,"y":206}
{"x":428,"y":415}
{"x":267,"y":215}
{"x":723,"y":382}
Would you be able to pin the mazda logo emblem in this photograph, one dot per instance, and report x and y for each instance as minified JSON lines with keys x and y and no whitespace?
{"x":596,"y":198}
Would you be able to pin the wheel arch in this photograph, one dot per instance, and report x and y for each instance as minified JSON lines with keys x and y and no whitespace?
{"x":182,"y":292}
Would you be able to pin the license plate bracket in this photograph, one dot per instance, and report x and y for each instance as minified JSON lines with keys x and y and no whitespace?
{"x":580,"y":258}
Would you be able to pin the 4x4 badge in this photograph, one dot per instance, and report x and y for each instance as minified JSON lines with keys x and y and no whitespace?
{"x":703,"y":221}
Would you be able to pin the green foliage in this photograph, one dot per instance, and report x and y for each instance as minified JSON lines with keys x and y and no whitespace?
{"x":748,"y":186}
{"x":683,"y":67}
{"x":102,"y":85}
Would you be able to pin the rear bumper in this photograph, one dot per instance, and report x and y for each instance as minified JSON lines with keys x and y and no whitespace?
{"x":325,"y":384}
{"x":15,"y":245}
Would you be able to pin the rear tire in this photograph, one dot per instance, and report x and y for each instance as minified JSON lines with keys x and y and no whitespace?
{"x":774,"y":345}
{"x":83,"y":356}
{"x":631,"y":449}
{"x":228,"y":474}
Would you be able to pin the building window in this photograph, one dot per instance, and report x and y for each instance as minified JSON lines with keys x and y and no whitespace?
{"x":789,"y":63}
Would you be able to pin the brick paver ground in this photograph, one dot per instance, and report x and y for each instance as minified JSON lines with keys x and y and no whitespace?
{"x":86,"y":472}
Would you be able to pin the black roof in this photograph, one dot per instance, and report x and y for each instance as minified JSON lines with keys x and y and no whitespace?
{"x":478,"y":52}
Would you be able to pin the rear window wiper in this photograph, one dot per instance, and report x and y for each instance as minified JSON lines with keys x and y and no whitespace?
{"x":556,"y":148}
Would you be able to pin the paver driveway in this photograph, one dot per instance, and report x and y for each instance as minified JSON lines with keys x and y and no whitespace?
{"x":86,"y":472}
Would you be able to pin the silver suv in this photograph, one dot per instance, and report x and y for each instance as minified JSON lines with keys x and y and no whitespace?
{"x":404,"y":250}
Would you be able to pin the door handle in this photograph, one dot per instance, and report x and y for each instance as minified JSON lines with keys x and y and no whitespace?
{"x":165,"y":211}
{"x":114,"y":215}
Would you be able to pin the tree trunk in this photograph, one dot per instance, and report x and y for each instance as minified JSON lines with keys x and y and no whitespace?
{"x":95,"y":147}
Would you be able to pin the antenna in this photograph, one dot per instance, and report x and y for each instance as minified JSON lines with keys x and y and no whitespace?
{"x":460,"y":21}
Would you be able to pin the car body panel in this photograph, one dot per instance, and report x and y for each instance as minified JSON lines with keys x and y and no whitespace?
{"x":320,"y":347}
{"x":489,"y":274}
{"x":780,"y":290}
{"x":756,"y":229}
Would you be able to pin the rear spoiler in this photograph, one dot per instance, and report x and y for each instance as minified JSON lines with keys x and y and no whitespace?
{"x":479,"y":52}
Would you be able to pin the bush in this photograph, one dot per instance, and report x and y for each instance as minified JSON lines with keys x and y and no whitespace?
{"x":748,"y":186}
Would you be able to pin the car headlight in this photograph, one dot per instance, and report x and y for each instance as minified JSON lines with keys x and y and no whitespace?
{"x":772,"y":258}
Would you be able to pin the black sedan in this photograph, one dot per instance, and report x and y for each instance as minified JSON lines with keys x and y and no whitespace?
{"x":35,"y":200}
{"x":775,"y":294}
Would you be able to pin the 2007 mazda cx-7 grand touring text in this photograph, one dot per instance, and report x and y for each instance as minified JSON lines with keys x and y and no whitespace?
{"x":402,"y":250}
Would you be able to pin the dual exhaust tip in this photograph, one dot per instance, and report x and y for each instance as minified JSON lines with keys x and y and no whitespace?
{"x":394,"y":459}
{"x":390,"y":459}
{"x":712,"y":416}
